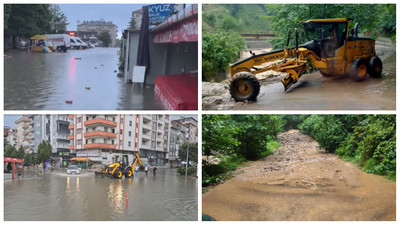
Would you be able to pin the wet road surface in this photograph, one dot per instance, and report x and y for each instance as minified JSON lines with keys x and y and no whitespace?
{"x":58,"y":196}
{"x":298,"y":182}
{"x":37,"y":81}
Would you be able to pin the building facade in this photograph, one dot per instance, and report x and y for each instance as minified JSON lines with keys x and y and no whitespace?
{"x":22,"y":133}
{"x":99,"y":137}
{"x":88,"y":31}
{"x":53,"y":129}
{"x":177,"y":138}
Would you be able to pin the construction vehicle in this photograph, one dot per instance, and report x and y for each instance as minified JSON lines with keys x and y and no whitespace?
{"x":332,"y":48}
{"x":120,"y":167}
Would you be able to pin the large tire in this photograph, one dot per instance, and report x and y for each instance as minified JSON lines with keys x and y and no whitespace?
{"x":128,"y":172}
{"x":325,"y":74}
{"x":358,"y":70}
{"x":118,"y":174}
{"x":375,"y":67}
{"x":244,"y":86}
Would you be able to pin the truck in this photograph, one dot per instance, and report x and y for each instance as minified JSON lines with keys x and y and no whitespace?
{"x":60,"y":42}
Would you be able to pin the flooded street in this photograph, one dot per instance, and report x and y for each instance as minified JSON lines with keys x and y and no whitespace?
{"x":58,"y":196}
{"x":38,"y":81}
{"x":299,"y":182}
{"x":315,"y":92}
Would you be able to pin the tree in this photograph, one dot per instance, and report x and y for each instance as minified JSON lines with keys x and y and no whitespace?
{"x":193,"y":149}
{"x":132,"y":23}
{"x":20,"y":153}
{"x":59,"y":20}
{"x":9,"y":151}
{"x":105,"y":38}
{"x":26,"y":20}
{"x":44,"y":153}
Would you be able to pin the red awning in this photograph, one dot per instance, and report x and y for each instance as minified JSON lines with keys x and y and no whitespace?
{"x":177,"y":92}
{"x":8,"y":159}
{"x":181,"y":32}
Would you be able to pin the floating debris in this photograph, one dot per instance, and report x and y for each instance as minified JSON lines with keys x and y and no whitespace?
{"x":77,"y":58}
{"x":95,"y":68}
{"x":42,"y":62}
{"x":87,"y":87}
{"x":102,"y":65}
{"x":68,"y":101}
{"x":115,"y":71}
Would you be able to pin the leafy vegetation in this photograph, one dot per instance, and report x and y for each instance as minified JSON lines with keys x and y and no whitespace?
{"x":374,"y":19}
{"x":192,"y":171}
{"x":26,"y":20}
{"x":234,"y":139}
{"x":193,"y":152}
{"x":368,"y":140}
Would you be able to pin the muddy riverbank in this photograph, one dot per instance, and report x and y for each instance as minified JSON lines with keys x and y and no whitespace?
{"x":300,"y":182}
{"x":313,"y":91}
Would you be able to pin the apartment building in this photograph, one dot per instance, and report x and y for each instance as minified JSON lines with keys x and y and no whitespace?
{"x":192,"y":124}
{"x":53,"y":129}
{"x":10,"y":136}
{"x":89,"y":31}
{"x":177,"y":138}
{"x":22,"y":133}
{"x":99,"y":137}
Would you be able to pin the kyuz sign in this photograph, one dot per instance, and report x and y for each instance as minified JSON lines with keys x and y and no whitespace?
{"x":158,"y":13}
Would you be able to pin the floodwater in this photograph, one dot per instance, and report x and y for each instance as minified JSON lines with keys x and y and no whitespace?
{"x":58,"y":196}
{"x":301,"y":183}
{"x":37,"y":81}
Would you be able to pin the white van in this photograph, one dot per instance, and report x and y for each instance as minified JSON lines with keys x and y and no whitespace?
{"x":83,"y":44}
{"x":60,"y":42}
{"x":74,"y":43}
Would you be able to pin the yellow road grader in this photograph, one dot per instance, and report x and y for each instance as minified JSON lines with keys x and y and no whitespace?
{"x":332,"y":48}
{"x":120,"y":167}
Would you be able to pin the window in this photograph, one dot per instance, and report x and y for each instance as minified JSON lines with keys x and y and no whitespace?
{"x":120,"y":131}
{"x":130,"y":123}
{"x":130,"y":133}
{"x":79,"y":131}
{"x":79,"y":119}
{"x":79,"y":142}
{"x":129,"y":144}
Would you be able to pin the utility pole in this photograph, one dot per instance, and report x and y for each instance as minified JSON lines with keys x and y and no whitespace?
{"x":187,"y":151}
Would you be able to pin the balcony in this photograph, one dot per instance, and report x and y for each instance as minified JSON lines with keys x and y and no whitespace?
{"x":99,"y":145}
{"x":100,"y":134}
{"x":71,"y":137}
{"x":100,"y":121}
{"x":70,"y":116}
{"x":70,"y":147}
{"x":25,"y":126}
{"x":71,"y":126}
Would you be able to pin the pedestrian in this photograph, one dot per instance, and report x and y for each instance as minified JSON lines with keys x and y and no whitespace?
{"x":136,"y":169}
{"x":19,"y":170}
{"x":9,"y":167}
{"x":146,"y":169}
{"x":154,"y":170}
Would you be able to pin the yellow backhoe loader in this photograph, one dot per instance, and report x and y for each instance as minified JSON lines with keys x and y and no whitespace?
{"x":332,"y":48}
{"x":120,"y":167}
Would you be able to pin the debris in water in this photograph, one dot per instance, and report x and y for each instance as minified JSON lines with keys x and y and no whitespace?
{"x":68,"y":101}
{"x":42,"y":62}
{"x":87,"y":87}
{"x":95,"y":68}
{"x":77,"y":58}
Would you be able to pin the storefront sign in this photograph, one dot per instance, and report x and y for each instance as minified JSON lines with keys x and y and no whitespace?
{"x":158,"y":13}
{"x":182,"y":32}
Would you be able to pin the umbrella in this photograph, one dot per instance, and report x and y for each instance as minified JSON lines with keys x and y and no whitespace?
{"x":39,"y":37}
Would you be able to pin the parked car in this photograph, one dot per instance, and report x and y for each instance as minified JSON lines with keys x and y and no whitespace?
{"x":74,"y":43}
{"x":73,"y":169}
{"x":83,"y":44}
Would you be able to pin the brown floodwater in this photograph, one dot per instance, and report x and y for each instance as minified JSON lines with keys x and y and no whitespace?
{"x":300,"y":182}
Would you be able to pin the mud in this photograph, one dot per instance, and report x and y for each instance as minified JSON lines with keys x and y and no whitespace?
{"x":313,"y":91}
{"x":300,"y":182}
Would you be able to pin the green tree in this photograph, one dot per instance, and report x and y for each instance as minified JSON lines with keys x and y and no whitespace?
{"x":193,"y":151}
{"x":59,"y":21}
{"x":20,"y":153}
{"x":26,"y":20}
{"x":132,"y":23}
{"x":10,"y":151}
{"x":44,"y":153}
{"x":105,"y":38}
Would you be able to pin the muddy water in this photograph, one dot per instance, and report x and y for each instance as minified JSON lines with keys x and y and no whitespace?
{"x":58,"y":196}
{"x":37,"y":81}
{"x":299,"y":182}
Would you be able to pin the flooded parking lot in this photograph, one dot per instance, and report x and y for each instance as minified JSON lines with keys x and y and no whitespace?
{"x":88,"y":78}
{"x":58,"y":196}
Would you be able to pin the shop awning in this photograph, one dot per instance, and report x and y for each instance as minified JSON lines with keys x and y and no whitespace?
{"x":80,"y":159}
{"x":185,"y":31}
{"x":177,"y":92}
{"x":8,"y":159}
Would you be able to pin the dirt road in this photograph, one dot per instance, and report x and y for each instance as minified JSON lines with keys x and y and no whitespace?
{"x":315,"y":92}
{"x":299,"y":182}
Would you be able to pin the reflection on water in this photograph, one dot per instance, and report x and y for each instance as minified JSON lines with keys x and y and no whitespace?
{"x":58,"y":196}
{"x":38,"y":81}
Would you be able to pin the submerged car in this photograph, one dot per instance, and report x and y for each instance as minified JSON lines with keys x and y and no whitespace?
{"x":73,"y":169}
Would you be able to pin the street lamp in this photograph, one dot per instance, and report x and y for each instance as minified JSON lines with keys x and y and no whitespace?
{"x":187,"y":151}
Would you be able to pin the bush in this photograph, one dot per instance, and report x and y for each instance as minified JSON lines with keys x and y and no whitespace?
{"x":191,"y":170}
{"x":218,"y":50}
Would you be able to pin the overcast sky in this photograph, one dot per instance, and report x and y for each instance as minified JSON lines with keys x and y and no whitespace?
{"x":119,"y":14}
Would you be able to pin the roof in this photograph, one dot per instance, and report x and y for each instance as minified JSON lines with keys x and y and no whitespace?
{"x":80,"y":159}
{"x":8,"y":159}
{"x":333,"y":20}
